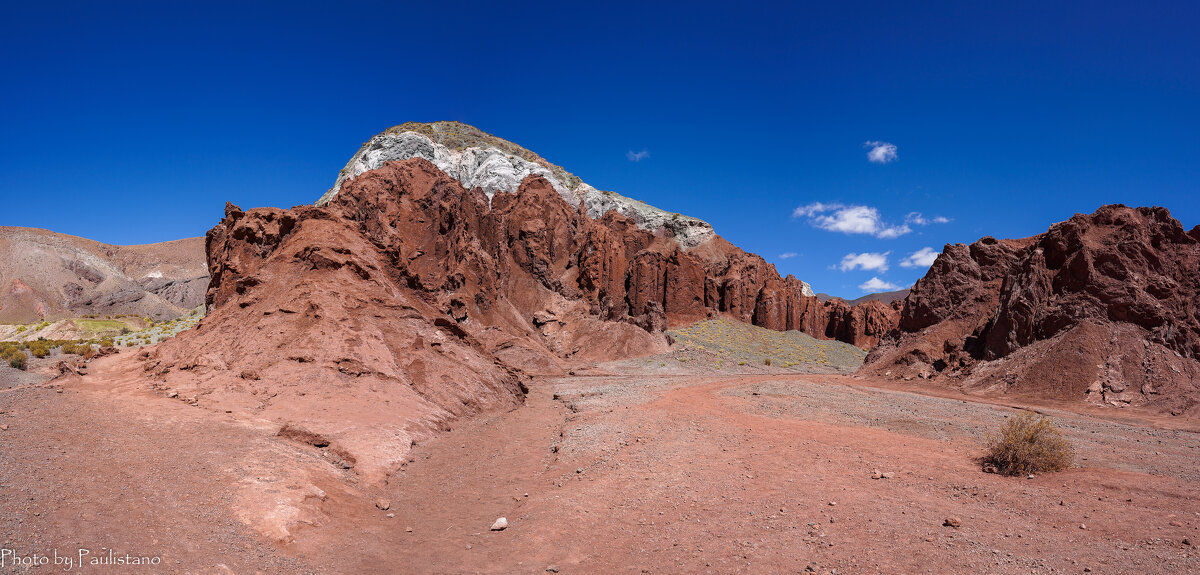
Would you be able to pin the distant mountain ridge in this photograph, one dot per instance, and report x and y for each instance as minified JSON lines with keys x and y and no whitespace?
{"x":883,"y":297}
{"x":47,"y":276}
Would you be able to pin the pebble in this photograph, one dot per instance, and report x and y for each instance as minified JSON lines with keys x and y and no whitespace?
{"x":888,"y":474}
{"x":3,"y":427}
{"x":500,"y":525}
{"x":578,"y":470}
{"x":1082,"y":526}
{"x":952,"y":522}
{"x":391,"y":515}
{"x":383,"y":504}
{"x":832,"y":503}
{"x":552,"y":569}
{"x":408,"y":529}
{"x":875,"y":474}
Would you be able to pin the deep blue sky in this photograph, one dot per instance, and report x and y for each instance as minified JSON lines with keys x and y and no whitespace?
{"x":136,"y":122}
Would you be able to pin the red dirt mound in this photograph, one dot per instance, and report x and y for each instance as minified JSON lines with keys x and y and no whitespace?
{"x":1103,"y":307}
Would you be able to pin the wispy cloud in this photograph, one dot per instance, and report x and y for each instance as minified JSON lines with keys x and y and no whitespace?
{"x":637,"y":156}
{"x":865,"y":261}
{"x":849,"y":220}
{"x":881,"y":152}
{"x":920,"y":220}
{"x":921,"y":258}
{"x":874,"y":285}
{"x":788,"y":255}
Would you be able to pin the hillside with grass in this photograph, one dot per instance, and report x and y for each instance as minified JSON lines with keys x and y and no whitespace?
{"x":743,"y":344}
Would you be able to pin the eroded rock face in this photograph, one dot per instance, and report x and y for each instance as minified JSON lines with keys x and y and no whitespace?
{"x":408,"y":301}
{"x":1103,"y":306}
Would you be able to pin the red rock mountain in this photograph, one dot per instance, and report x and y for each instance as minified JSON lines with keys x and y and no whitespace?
{"x":408,"y":300}
{"x":1103,"y":307}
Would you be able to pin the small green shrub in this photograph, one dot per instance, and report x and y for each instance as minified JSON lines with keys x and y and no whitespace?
{"x":767,"y":361}
{"x":40,"y":348}
{"x":14,"y":356}
{"x":1028,"y":443}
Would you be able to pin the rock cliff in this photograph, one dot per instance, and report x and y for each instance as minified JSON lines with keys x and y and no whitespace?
{"x":407,"y":300}
{"x":1103,"y":307}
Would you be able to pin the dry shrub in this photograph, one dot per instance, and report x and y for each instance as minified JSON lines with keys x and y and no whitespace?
{"x":1028,"y":443}
{"x":14,"y":356}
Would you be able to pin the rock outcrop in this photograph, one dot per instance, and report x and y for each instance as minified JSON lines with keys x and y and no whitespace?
{"x":408,"y":300}
{"x":48,"y":276}
{"x":1103,"y":307}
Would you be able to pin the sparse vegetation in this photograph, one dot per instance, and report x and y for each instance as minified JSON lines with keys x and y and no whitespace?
{"x":749,"y":345}
{"x":12,"y":354}
{"x":157,"y":332}
{"x":1028,"y":443}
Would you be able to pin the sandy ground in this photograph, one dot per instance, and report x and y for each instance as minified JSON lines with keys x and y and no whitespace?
{"x":643,"y":466}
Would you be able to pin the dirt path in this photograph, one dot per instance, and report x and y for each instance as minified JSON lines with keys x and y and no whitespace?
{"x":770,"y":473}
{"x":621,"y":471}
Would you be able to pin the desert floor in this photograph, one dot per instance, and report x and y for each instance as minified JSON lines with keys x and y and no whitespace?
{"x":642,"y":466}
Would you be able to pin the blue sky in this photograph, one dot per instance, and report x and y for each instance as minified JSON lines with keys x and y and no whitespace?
{"x":134,"y":122}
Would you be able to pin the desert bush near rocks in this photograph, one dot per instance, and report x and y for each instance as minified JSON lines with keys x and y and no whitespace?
{"x":1028,"y":443}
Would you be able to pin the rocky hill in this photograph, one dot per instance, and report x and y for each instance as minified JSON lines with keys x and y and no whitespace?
{"x":47,"y":276}
{"x":1103,"y":307}
{"x":742,"y":285}
{"x":431,"y":284}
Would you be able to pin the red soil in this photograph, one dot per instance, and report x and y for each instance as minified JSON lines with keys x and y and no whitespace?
{"x":627,"y":467}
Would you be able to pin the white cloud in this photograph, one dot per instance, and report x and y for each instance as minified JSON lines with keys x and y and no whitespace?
{"x":874,"y":285}
{"x":637,"y":156}
{"x":849,"y":220}
{"x":788,"y":255}
{"x":881,"y":152}
{"x":921,"y":258}
{"x":865,"y":261}
{"x":920,"y":220}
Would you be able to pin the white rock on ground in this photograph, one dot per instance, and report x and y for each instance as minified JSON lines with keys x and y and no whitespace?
{"x":500,"y":525}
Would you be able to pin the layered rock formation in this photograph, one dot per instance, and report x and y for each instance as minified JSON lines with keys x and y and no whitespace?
{"x":1103,"y":306}
{"x":705,"y":275}
{"x":46,"y":275}
{"x":406,"y":300}
{"x":480,"y":160}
